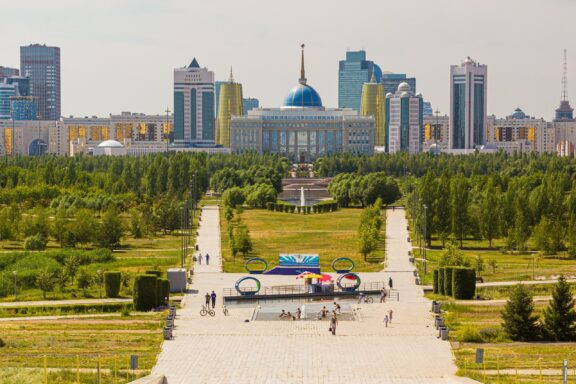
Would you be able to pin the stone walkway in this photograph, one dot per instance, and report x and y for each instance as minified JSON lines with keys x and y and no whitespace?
{"x":228,"y":349}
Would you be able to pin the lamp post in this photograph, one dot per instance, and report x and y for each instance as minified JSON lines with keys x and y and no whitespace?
{"x":99,"y":274}
{"x":15,"y":291}
{"x":425,"y":237}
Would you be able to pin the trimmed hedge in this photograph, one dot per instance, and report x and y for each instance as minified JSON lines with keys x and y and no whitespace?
{"x":441,"y":280}
{"x":448,"y":280}
{"x":159,"y":293}
{"x":463,"y":283}
{"x":144,"y":292}
{"x":154,"y":272}
{"x":165,"y":288}
{"x":112,"y":281}
{"x":435,"y":285}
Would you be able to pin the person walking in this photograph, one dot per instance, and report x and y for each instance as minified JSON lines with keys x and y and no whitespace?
{"x":207,"y":297}
{"x":213,"y":297}
{"x":390,"y":282}
{"x":386,"y":320}
{"x":299,"y":313}
{"x":390,"y":315}
{"x":200,"y":258}
{"x":333,"y":324}
{"x":383,"y":295}
{"x":207,"y":259}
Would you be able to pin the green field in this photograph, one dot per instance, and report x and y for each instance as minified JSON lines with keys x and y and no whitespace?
{"x":479,"y":326}
{"x":331,"y":235}
{"x":509,"y":266}
{"x":108,"y":339}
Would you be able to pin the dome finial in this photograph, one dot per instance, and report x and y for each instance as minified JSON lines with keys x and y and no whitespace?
{"x":231,"y":75}
{"x":302,"y":72}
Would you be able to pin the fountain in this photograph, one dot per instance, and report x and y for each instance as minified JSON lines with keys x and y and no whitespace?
{"x":302,"y":199}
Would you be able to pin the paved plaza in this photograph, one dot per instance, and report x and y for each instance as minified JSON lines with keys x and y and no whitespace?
{"x":227,"y":349}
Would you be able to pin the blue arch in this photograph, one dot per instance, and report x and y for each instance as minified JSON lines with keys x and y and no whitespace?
{"x":343,"y":270}
{"x":349,"y":289}
{"x":247,"y":293}
{"x":253,"y":261}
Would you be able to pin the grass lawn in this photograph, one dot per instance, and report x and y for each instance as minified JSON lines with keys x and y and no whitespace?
{"x":133,"y":256}
{"x":509,"y":266}
{"x":331,"y":235}
{"x":479,"y":326}
{"x":110,"y":338}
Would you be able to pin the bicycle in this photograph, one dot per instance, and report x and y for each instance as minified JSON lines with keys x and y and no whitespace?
{"x":207,"y":311}
{"x":365,"y":299}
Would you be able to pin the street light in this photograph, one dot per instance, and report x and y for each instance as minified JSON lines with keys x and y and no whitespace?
{"x":425,"y":214}
{"x":15,"y":292}
{"x":99,"y":272}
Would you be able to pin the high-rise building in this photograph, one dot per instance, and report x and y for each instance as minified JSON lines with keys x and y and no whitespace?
{"x":22,"y":83}
{"x":42,"y":65}
{"x":468,"y":84}
{"x":230,"y":104}
{"x":564,"y":111}
{"x":428,"y":111}
{"x":23,"y":107}
{"x":6,"y":92}
{"x":404,"y":129}
{"x":193,"y":105}
{"x":302,"y":129}
{"x":250,"y":104}
{"x":352,"y":74}
{"x":391,"y":82}
{"x":217,"y":85}
{"x":374,"y":104}
{"x":8,"y":72}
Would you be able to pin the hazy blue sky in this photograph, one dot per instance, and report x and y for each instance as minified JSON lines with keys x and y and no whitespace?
{"x":118,"y":55}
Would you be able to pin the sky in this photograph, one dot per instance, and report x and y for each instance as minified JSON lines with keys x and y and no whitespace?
{"x":119,"y":55}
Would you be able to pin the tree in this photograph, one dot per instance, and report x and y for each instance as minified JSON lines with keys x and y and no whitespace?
{"x":71,"y":265}
{"x":233,"y":197}
{"x":45,"y":282}
{"x":228,"y":214}
{"x":459,"y":206}
{"x":493,"y":264}
{"x":367,"y":240}
{"x":559,"y":316}
{"x":489,"y":214}
{"x":519,"y":323}
{"x":84,"y":280}
{"x":136,"y":225}
{"x":35,"y":242}
{"x":110,"y":230}
{"x":242,"y":239}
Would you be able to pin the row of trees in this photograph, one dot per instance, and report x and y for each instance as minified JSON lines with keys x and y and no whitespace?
{"x":238,"y":234}
{"x":558,"y":322}
{"x":227,"y":178}
{"x":363,"y":190}
{"x":402,"y":164}
{"x":542,"y":206}
{"x":369,"y":229}
{"x":255,"y":195}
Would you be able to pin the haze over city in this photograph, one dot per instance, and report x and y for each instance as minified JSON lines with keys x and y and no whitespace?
{"x":120,"y":55}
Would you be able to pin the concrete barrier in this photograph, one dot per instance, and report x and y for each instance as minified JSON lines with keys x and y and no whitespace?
{"x":153,"y":379}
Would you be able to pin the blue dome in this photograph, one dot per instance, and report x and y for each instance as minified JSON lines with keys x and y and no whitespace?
{"x":302,"y":95}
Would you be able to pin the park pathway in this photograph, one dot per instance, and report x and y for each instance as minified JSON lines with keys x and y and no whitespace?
{"x":234,"y":349}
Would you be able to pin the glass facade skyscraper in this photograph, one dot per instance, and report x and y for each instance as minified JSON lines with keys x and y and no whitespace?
{"x":194,"y":105}
{"x":250,"y":104}
{"x":468,"y":119}
{"x":352,"y":74}
{"x":6,"y":92}
{"x":42,"y":65}
{"x":8,"y":72}
{"x":391,"y":82}
{"x":23,"y":107}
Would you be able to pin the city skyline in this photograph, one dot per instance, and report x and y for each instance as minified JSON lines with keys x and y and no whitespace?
{"x":139,"y":62}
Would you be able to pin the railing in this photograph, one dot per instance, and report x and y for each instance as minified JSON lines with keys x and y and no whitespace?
{"x":292,"y":290}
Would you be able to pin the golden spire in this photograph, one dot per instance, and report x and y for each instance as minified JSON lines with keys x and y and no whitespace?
{"x":302,"y":72}
{"x":372,"y":79}
{"x":231,"y":76}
